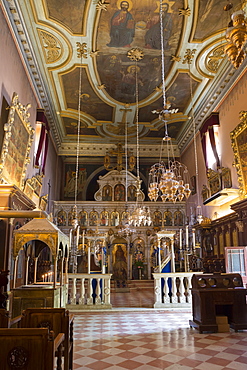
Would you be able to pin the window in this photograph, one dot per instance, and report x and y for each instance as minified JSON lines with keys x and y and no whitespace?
{"x":236,"y":261}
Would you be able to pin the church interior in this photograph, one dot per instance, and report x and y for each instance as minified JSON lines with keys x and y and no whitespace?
{"x":123,"y":184}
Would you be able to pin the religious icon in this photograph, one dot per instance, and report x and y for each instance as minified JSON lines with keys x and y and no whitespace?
{"x":93,"y":219}
{"x":114,"y":219}
{"x":122,"y":27}
{"x":168,"y":218}
{"x":157,"y":218}
{"x":132,"y":193}
{"x":119,"y":193}
{"x":61,"y":218}
{"x":178,"y":218}
{"x":82,"y":218}
{"x":104,"y":218}
{"x":107,"y":193}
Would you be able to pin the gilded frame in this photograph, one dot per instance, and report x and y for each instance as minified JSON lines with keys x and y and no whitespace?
{"x":239,"y":146}
{"x":18,"y":137}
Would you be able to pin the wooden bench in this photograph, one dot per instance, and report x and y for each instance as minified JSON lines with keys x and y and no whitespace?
{"x":30,"y":349}
{"x":56,"y":319}
{"x":4,"y":318}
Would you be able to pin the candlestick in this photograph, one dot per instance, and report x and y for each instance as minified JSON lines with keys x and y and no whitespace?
{"x":187,"y":236}
{"x":194,"y":239}
{"x":83,"y":239}
{"x":181,"y":238}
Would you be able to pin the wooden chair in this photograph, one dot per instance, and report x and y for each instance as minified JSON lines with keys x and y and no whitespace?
{"x":56,"y":319}
{"x":30,"y":349}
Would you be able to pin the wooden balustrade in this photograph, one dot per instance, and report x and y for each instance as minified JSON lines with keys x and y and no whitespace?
{"x":89,"y":291}
{"x":173,"y":289}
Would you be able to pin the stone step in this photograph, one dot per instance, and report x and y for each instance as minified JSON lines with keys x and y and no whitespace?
{"x":135,"y":285}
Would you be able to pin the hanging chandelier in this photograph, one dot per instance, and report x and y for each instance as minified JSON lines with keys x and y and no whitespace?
{"x":170,"y":180}
{"x":167,"y":181}
{"x":140,"y":215}
{"x":236,"y":36}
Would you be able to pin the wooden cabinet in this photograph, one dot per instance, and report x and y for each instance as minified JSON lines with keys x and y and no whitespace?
{"x":218,"y":295}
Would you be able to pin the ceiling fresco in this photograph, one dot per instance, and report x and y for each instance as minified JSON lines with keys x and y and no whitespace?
{"x":82,"y":48}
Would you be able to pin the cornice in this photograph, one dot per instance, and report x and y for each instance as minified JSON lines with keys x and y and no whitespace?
{"x":30,"y":63}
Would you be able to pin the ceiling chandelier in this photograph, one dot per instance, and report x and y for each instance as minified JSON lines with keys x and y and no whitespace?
{"x":169,"y":181}
{"x":236,"y":36}
{"x":140,"y":215}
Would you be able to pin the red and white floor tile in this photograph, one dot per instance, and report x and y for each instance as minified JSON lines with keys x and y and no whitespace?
{"x":148,"y":339}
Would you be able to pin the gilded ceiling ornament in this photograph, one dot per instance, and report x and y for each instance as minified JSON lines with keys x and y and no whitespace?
{"x":175,"y":58}
{"x":102,"y":5}
{"x":81,"y":50}
{"x":186,"y":11}
{"x":214,"y":58}
{"x":101,"y":87}
{"x":51,"y":46}
{"x":135,"y":54}
{"x":189,"y":55}
{"x":94,"y":53}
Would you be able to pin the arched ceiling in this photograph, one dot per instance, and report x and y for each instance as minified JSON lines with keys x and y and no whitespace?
{"x":70,"y":47}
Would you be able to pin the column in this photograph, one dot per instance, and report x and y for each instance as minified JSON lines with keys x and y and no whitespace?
{"x":55,"y":272}
{"x":35,"y":269}
{"x":88,"y":259}
{"x":66,"y":277}
{"x":159,"y":255}
{"x":61,"y":272}
{"x":15,"y":271}
{"x":172,"y":255}
{"x":26,"y":272}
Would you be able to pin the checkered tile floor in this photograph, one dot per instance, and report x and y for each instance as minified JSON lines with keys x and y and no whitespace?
{"x":152,"y":339}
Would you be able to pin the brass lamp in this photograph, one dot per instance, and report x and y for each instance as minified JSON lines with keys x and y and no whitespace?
{"x":236,"y":36}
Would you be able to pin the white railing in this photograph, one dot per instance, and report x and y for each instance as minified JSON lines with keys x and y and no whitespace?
{"x":173,"y":289}
{"x":89,"y":291}
{"x":165,"y":261}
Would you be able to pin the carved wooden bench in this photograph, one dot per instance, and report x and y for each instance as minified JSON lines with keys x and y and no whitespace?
{"x":30,"y":349}
{"x":56,"y":319}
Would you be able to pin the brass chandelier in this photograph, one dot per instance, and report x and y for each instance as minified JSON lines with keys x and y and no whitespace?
{"x":140,"y":215}
{"x":170,"y":180}
{"x":236,"y":36}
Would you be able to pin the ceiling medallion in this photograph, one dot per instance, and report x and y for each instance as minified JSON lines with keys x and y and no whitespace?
{"x":135,"y":54}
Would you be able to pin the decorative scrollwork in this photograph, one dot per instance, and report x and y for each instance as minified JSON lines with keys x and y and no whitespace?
{"x":51,"y":47}
{"x":175,"y":58}
{"x":18,"y":358}
{"x":186,"y":11}
{"x":102,"y":5}
{"x":189,"y":55}
{"x":81,"y":50}
{"x":214,"y":59}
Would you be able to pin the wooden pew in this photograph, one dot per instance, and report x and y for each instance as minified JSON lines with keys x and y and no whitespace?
{"x":4,"y":318}
{"x":30,"y":349}
{"x":56,"y":319}
{"x":6,"y":321}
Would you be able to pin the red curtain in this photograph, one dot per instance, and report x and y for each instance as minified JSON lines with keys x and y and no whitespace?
{"x":43,"y":140}
{"x":207,"y":126}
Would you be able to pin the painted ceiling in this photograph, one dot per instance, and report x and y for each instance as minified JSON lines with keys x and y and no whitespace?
{"x":81,"y":47}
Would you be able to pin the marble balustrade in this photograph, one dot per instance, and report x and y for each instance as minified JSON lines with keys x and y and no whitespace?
{"x":173,"y":290}
{"x":89,"y":291}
